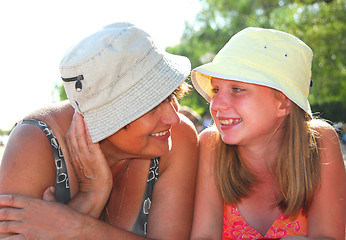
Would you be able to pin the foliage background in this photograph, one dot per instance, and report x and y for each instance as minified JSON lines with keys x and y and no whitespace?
{"x":319,"y":23}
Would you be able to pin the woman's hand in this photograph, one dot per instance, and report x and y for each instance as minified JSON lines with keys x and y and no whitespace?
{"x":92,"y":170}
{"x":31,"y":218}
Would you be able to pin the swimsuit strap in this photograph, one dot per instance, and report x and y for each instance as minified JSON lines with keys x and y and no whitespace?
{"x":62,"y":187}
{"x":140,"y":226}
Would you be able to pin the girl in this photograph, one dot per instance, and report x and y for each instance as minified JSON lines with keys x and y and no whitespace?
{"x":267,"y":169}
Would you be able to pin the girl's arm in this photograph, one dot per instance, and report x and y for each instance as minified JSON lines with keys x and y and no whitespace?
{"x":326,"y":217}
{"x":172,"y":204}
{"x":208,"y":212}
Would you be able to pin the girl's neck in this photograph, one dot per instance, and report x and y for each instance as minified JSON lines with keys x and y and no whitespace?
{"x":262,"y":157}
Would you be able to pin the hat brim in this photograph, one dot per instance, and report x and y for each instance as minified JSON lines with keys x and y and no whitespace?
{"x":233,"y":69}
{"x":146,"y":94}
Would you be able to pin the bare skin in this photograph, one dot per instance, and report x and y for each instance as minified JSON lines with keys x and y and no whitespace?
{"x":246,"y":103}
{"x":172,"y":202}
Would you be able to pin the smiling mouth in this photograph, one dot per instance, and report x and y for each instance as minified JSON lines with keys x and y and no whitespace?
{"x":159,"y":134}
{"x":230,"y":121}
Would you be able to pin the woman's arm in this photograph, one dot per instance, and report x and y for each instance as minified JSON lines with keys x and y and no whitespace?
{"x":33,"y":219}
{"x":27,"y":165}
{"x":172,"y":204}
{"x":170,"y":215}
{"x":208,"y":212}
{"x":326,"y":217}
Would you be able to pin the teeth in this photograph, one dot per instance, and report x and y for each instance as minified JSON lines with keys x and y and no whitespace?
{"x":159,"y":134}
{"x":230,"y":121}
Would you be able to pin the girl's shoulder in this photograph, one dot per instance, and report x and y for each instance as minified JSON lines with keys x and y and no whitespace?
{"x":324,"y":131}
{"x":209,"y":136}
{"x":185,"y":131}
{"x":327,"y":139}
{"x":320,"y":125}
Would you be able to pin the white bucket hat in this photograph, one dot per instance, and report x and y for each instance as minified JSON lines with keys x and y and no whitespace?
{"x":265,"y":57}
{"x":116,"y":75}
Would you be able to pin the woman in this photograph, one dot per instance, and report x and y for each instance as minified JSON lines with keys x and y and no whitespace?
{"x":136,"y":169}
{"x":267,"y":169}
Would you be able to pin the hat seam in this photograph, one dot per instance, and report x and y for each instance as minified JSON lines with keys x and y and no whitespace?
{"x":129,"y":89}
{"x":207,"y":74}
{"x":115,"y":79}
{"x":266,"y":69}
{"x":174,"y":81}
{"x":97,"y":54}
{"x":124,"y":73}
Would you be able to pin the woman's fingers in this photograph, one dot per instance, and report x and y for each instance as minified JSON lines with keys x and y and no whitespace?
{"x":93,"y":147}
{"x":15,"y":201}
{"x":80,"y":134}
{"x":48,"y":194}
{"x":16,"y":237}
{"x":87,"y":158}
{"x":10,"y":214}
{"x":73,"y":137}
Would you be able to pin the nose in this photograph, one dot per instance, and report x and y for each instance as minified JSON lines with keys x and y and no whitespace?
{"x":170,"y":113}
{"x":219,"y":102}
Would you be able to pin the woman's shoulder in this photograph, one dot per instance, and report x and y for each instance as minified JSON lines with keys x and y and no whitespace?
{"x":49,"y":112}
{"x":55,"y":116}
{"x":58,"y":116}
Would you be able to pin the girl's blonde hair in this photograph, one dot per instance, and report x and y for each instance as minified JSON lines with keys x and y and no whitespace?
{"x":297,"y":169}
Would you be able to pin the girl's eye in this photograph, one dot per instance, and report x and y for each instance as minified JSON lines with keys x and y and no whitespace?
{"x":237,"y":90}
{"x":215,"y":90}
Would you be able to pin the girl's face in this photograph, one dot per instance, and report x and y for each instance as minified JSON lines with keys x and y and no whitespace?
{"x":246,"y":113}
{"x":150,"y":135}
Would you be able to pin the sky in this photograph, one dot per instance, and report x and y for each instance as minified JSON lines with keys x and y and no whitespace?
{"x":35,"y":35}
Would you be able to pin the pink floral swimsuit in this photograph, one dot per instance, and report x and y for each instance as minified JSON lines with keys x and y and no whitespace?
{"x":235,"y":227}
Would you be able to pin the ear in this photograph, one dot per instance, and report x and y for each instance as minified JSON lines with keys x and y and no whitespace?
{"x":284,"y":105}
{"x":175,"y":103}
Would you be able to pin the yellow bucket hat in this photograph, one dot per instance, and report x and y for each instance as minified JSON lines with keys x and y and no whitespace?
{"x":265,"y":57}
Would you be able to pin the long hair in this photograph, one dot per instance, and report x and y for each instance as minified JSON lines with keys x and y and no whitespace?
{"x":297,"y":169}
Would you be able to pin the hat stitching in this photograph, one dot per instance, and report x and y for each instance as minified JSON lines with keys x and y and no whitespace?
{"x":165,"y":65}
{"x":155,"y":72}
{"x":124,"y":73}
{"x":97,"y":54}
{"x":204,"y":74}
{"x":118,"y":76}
{"x":268,"y":70}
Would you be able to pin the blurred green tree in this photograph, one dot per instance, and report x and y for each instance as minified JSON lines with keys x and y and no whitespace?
{"x":319,"y":23}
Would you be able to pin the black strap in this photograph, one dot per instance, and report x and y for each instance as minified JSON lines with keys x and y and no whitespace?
{"x":62,"y":187}
{"x":140,"y":226}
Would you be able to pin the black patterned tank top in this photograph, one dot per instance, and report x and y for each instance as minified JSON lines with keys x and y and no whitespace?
{"x":62,"y":187}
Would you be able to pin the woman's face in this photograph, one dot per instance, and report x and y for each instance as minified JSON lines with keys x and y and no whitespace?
{"x":150,"y":135}
{"x":246,"y":113}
